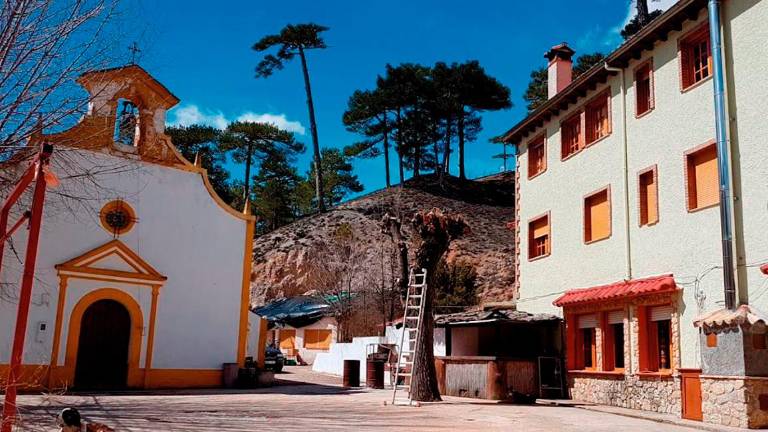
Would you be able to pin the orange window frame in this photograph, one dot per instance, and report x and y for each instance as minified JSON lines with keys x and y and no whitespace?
{"x":583,"y":348}
{"x":645,"y":100}
{"x":539,"y":246}
{"x":609,"y":344}
{"x":597,"y":118}
{"x":571,"y":136}
{"x":596,"y":225}
{"x":695,"y":54}
{"x":537,"y":157}
{"x":702,"y":179}
{"x":648,"y":196}
{"x":648,"y":343}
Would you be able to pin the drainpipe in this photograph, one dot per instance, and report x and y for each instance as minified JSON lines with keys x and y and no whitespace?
{"x":628,"y":243}
{"x":723,"y":157}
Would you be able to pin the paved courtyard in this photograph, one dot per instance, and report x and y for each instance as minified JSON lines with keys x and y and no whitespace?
{"x":306,"y":401}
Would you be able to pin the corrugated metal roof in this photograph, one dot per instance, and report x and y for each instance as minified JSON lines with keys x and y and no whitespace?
{"x":622,"y":289}
{"x":483,"y":316}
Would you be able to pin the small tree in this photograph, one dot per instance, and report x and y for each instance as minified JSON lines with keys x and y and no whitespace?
{"x":275,"y":187}
{"x":339,"y":266}
{"x":536,"y":93}
{"x":202,"y":141}
{"x":338,"y":181}
{"x":296,"y":40}
{"x":435,"y":231}
{"x":455,"y":285}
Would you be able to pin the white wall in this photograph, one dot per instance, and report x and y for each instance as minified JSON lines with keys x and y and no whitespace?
{"x":332,"y":361}
{"x":181,"y":232}
{"x":684,"y":243}
{"x":255,"y":348}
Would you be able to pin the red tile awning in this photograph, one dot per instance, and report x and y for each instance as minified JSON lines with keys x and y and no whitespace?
{"x":619,"y":290}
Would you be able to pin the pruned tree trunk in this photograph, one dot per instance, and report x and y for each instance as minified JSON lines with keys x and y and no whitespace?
{"x":436,"y":231}
{"x":393,"y":226}
{"x":313,"y":128}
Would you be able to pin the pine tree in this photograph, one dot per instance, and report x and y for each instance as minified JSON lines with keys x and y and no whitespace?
{"x":402,"y":87}
{"x":367,"y":115}
{"x":640,"y":20}
{"x":478,"y":92}
{"x":202,"y":141}
{"x":296,"y":40}
{"x":250,"y":142}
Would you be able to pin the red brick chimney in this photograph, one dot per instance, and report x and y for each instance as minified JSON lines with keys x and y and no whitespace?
{"x":559,"y":68}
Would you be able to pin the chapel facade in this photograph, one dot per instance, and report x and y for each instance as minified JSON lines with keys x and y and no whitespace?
{"x":143,"y":272}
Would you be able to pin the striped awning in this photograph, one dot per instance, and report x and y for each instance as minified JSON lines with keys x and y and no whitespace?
{"x":618,"y":290}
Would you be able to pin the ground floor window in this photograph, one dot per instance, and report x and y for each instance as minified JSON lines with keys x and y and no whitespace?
{"x":613,"y":346}
{"x":656,"y":338}
{"x":587,"y":342}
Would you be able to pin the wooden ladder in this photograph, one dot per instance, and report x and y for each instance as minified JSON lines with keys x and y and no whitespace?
{"x":412,"y":316}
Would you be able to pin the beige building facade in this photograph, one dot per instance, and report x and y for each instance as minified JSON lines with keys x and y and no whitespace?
{"x":618,"y":226}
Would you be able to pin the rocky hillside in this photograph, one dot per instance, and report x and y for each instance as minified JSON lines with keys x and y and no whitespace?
{"x":282,"y":258}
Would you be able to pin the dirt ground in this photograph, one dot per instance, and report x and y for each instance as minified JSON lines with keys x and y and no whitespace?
{"x":305,"y":401}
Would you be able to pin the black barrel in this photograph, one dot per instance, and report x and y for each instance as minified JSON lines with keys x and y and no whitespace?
{"x":351,"y":373}
{"x":374,"y":376}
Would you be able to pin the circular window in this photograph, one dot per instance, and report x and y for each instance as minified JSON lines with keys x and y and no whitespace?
{"x":117,"y":217}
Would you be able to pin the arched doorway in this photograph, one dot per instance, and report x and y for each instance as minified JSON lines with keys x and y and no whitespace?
{"x":102,"y":354}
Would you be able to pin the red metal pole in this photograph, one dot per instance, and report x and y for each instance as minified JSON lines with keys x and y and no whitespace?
{"x":38,"y":200}
{"x":15,"y":227}
{"x":19,"y":189}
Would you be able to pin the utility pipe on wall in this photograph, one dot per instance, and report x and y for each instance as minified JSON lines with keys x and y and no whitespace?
{"x":625,"y":150}
{"x":723,"y":157}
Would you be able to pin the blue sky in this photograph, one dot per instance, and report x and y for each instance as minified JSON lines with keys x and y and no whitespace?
{"x":201,"y":51}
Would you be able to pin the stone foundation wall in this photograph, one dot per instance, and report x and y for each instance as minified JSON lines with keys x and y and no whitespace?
{"x":628,"y":391}
{"x":734,"y":401}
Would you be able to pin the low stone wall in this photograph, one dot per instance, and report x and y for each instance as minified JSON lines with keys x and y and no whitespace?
{"x":735,"y":401}
{"x":659,"y":394}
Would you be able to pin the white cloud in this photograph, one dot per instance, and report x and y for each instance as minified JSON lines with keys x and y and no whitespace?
{"x":191,"y":114}
{"x":612,"y":38}
{"x":279,"y":120}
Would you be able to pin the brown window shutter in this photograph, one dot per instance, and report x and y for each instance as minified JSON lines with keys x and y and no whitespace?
{"x":686,"y":65}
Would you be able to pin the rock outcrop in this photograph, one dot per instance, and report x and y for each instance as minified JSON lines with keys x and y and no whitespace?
{"x":282,"y":259}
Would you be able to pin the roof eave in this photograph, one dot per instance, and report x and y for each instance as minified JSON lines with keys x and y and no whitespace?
{"x":633,"y":48}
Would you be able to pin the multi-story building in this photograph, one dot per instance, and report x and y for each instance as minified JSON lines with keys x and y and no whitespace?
{"x":619,"y":224}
